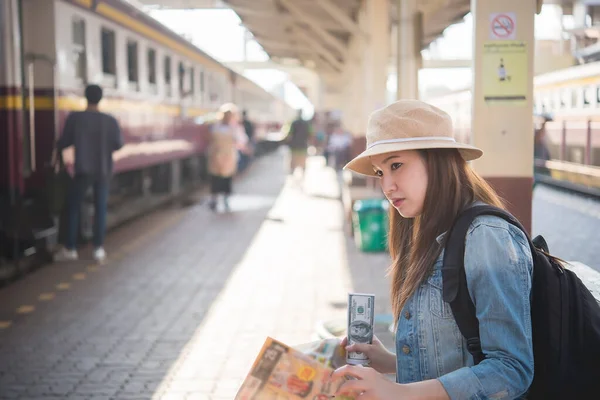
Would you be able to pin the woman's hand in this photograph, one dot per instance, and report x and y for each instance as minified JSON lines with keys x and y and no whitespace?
{"x":380,"y":359}
{"x":368,"y":384}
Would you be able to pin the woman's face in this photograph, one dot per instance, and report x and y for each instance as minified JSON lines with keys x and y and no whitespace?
{"x":403,"y":176}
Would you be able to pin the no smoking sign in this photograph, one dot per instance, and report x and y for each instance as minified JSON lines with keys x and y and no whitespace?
{"x":503,"y":26}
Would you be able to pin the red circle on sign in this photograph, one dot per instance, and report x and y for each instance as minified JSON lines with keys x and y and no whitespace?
{"x":503,"y":25}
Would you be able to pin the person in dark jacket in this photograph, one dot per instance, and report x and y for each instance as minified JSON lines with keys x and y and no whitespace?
{"x":540,"y":150}
{"x":246,"y":156}
{"x":95,"y":136}
{"x":298,"y":140}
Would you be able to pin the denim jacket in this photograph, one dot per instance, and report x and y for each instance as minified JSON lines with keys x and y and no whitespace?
{"x":429,"y":345}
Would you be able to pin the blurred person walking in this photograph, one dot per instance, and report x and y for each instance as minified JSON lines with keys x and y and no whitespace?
{"x":95,"y":136}
{"x":227,"y":139}
{"x":297,"y":140}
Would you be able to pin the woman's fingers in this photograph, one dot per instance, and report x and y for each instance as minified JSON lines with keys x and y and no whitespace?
{"x":355,"y":386}
{"x":364,"y":379}
{"x":351,"y":370}
{"x":359,"y":348}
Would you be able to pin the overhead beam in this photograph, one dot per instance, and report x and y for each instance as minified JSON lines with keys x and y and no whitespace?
{"x":257,"y":13}
{"x":287,"y":45}
{"x":302,"y":53}
{"x":283,"y":45}
{"x":319,"y":65}
{"x":319,"y":48}
{"x":324,"y":70}
{"x":266,"y":32}
{"x":250,"y":12}
{"x":433,"y":6}
{"x":305,"y":55}
{"x":323,"y":34}
{"x":340,"y":16}
{"x":293,"y":46}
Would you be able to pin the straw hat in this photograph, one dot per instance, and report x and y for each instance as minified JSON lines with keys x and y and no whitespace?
{"x":408,"y":125}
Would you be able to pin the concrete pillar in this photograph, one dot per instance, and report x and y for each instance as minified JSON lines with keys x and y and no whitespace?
{"x":408,"y":52}
{"x":376,"y":55}
{"x":353,"y":86}
{"x":365,"y":75}
{"x":352,"y":110}
{"x":580,"y":14}
{"x":502,"y":124}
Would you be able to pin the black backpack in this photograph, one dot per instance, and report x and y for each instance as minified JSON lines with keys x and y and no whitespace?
{"x":565,"y":316}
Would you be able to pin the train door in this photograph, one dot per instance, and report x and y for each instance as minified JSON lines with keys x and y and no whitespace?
{"x":39,"y":94}
{"x":11,"y":108}
{"x":30,"y":228}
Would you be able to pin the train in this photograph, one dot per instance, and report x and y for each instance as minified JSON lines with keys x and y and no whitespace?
{"x":569,"y":100}
{"x":163,"y":90}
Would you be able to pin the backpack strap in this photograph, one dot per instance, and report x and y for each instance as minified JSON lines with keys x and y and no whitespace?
{"x":455,"y":290}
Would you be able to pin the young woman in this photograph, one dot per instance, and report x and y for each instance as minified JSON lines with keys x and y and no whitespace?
{"x":425,"y":176}
{"x":226,"y":138}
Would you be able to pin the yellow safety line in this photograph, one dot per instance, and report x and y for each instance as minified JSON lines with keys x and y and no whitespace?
{"x":5,"y":324}
{"x":47,"y":296}
{"x":80,"y":276}
{"x":25,"y":309}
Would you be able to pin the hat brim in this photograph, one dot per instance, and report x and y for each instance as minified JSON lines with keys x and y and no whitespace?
{"x":361,"y":164}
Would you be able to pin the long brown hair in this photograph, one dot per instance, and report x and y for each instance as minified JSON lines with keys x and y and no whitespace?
{"x":452,"y":185}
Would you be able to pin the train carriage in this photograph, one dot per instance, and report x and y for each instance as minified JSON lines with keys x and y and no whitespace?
{"x":163,"y":90}
{"x":572,"y":97}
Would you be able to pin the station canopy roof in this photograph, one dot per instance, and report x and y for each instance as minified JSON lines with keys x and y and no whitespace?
{"x":317,"y":33}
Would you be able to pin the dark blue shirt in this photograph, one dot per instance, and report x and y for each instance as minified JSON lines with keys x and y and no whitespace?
{"x":96,"y":136}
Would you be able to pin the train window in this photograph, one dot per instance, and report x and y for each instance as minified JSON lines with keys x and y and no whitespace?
{"x":109,"y":65}
{"x":152,"y":66}
{"x":213,"y":89}
{"x":181,"y":79}
{"x":586,"y":96}
{"x":168,"y":75}
{"x":209,"y":87}
{"x":79,"y":49}
{"x":192,"y":81}
{"x":201,"y":81}
{"x":132,"y":64}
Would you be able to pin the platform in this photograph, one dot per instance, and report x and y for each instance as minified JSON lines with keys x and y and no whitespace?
{"x":187,"y":296}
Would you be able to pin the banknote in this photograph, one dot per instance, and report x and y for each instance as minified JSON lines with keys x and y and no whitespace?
{"x":281,"y":372}
{"x":361,"y":311}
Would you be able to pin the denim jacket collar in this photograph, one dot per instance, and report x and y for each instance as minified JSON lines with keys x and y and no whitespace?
{"x":441,"y":237}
